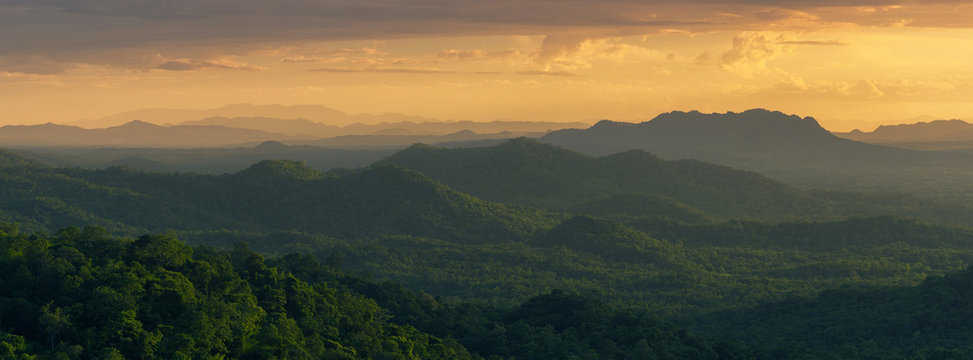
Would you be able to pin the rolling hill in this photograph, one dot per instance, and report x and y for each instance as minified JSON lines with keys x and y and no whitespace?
{"x":270,"y":195}
{"x":528,"y":172}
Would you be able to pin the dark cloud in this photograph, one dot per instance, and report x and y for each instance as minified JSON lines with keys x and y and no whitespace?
{"x":128,"y":32}
{"x":186,"y":65}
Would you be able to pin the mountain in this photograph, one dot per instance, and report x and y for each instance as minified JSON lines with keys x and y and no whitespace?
{"x":696,"y":135}
{"x":205,"y":160}
{"x":134,"y":133}
{"x":314,"y":113}
{"x":402,"y":129}
{"x":938,"y":134}
{"x":272,"y":125}
{"x":786,"y":147}
{"x":175,"y":116}
{"x":459,"y":139}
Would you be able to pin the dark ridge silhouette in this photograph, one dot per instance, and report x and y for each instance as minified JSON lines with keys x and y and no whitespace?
{"x":786,"y":147}
{"x":938,"y":134}
{"x":688,"y":133}
{"x":132,"y":134}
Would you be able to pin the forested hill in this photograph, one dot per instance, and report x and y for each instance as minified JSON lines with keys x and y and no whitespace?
{"x":271,"y":195}
{"x":9,"y":159}
{"x":528,"y":172}
{"x":80,"y":294}
{"x":928,"y":321}
{"x":635,"y":184}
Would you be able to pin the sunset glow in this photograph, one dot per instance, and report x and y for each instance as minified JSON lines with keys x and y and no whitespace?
{"x":848,"y":64}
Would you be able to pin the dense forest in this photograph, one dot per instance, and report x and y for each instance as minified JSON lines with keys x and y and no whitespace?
{"x":81,"y":294}
{"x":539,"y":253}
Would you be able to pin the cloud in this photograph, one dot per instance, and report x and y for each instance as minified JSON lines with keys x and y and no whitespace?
{"x":814,"y":42}
{"x":68,"y":32}
{"x":416,"y":70}
{"x":193,"y":65}
{"x":478,"y":55}
{"x":546,"y":73}
{"x":751,"y":52}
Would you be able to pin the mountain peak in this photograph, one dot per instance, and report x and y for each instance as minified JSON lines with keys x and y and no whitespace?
{"x":271,"y":145}
{"x":138,"y":124}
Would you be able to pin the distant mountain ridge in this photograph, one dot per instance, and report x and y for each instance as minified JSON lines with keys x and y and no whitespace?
{"x":691,"y":133}
{"x":790,"y":148}
{"x":134,"y":133}
{"x":235,"y":114}
{"x":933,"y":131}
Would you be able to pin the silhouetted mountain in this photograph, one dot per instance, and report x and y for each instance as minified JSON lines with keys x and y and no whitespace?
{"x":933,"y":135}
{"x":175,"y":116}
{"x":272,"y":125}
{"x":386,"y":141}
{"x":253,"y":115}
{"x":132,"y":134}
{"x":386,"y":133}
{"x":687,"y":135}
{"x":790,"y":148}
{"x":206,"y":160}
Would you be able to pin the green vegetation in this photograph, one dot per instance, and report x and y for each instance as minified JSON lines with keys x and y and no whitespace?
{"x":928,"y":321}
{"x":81,"y":294}
{"x":636,"y":184}
{"x":505,"y":276}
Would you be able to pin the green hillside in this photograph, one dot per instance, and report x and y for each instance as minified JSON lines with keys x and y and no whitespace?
{"x":80,"y":294}
{"x":636,"y":184}
{"x":927,"y":321}
{"x":270,"y":195}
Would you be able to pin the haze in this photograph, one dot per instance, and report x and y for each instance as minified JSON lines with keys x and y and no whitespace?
{"x":849,"y":64}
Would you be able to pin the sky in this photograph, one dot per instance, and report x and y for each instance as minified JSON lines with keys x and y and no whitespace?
{"x":849,"y":64}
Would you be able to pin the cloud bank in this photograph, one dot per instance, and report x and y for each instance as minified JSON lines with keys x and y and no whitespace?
{"x":50,"y":36}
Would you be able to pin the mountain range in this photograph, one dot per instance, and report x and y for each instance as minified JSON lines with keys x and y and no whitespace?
{"x":301,"y":119}
{"x":757,"y":283}
{"x":308,"y":128}
{"x":134,"y":133}
{"x":790,"y":148}
{"x":937,"y":134}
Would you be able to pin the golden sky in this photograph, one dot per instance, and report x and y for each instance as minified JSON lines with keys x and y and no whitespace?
{"x":850,"y":64}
